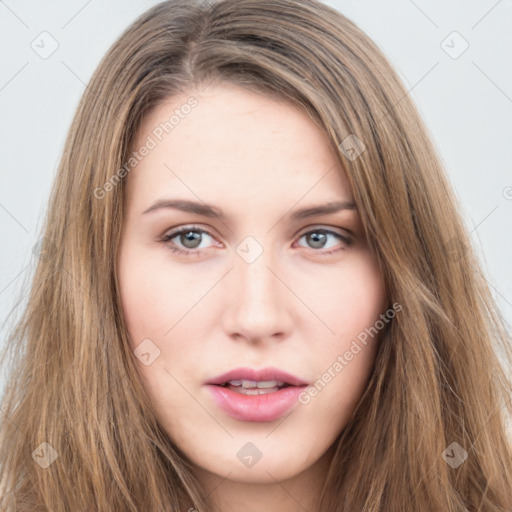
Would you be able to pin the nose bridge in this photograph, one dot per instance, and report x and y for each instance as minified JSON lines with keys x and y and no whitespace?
{"x":258,"y":306}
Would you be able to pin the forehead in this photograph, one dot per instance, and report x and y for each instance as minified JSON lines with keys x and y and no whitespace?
{"x":234,"y":141}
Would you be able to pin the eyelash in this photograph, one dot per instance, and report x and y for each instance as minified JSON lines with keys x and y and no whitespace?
{"x":166,"y":238}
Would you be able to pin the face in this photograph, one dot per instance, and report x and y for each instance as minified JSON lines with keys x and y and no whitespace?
{"x":225,"y":265}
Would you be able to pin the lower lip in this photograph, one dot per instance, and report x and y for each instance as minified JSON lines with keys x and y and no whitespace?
{"x":267,"y":407}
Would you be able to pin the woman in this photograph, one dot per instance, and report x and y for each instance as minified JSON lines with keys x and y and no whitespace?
{"x":255,"y":287}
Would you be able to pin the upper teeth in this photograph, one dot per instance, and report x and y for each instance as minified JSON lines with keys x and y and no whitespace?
{"x":256,"y":384}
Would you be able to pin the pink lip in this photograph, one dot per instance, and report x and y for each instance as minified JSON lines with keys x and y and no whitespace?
{"x":269,"y":373}
{"x":267,"y":407}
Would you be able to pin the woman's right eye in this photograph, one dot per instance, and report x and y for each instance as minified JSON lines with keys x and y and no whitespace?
{"x":188,"y":235}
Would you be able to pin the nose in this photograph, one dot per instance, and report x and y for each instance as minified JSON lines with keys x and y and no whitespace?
{"x":257,"y":301}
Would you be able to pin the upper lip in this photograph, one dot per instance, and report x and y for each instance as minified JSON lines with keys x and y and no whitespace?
{"x":263,"y":374}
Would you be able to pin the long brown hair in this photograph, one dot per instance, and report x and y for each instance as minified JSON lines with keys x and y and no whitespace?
{"x":78,"y":432}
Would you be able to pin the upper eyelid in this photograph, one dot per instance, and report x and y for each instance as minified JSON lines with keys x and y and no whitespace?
{"x":176,"y":231}
{"x":307,"y":229}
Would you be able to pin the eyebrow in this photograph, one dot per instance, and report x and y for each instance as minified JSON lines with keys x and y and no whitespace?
{"x":208,"y":210}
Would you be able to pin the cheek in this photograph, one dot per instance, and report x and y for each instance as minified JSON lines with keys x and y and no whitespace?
{"x":351,"y":302}
{"x":153,"y":298}
{"x":352,"y":308}
{"x":154,"y":304}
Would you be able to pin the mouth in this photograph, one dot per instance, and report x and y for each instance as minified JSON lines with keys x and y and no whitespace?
{"x":253,"y":395}
{"x":244,"y":378}
{"x":252,"y":387}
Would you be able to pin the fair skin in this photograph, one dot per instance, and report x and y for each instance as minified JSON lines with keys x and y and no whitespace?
{"x":297,"y":306}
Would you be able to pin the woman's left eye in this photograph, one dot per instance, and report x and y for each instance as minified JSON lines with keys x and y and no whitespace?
{"x":319,"y":238}
{"x":192,"y":237}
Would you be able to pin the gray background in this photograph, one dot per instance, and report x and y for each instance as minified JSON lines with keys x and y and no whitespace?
{"x":466,"y":101}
